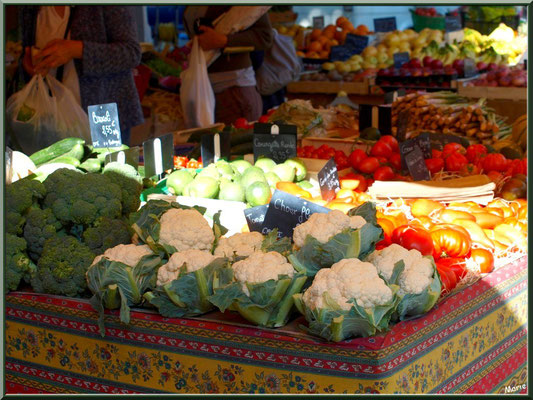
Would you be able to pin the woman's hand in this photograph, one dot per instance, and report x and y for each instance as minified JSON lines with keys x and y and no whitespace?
{"x":56,"y":53}
{"x":211,"y":39}
{"x":27,"y":63}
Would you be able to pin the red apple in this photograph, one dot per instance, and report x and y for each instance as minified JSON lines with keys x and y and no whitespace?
{"x":493,"y":67}
{"x":415,"y":63}
{"x":491,"y":76}
{"x":503,"y":71}
{"x":427,"y":71}
{"x":458,"y":64}
{"x":427,"y":60}
{"x":519,"y":82}
{"x":416,"y":71}
{"x":492,"y":83}
{"x":504,"y":81}
{"x":481,"y":66}
{"x":436,"y":64}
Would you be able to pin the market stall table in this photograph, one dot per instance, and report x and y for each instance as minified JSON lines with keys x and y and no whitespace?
{"x":473,"y":342}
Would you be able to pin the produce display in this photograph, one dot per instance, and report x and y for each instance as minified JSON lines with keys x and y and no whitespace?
{"x":501,"y":77}
{"x":446,"y":112}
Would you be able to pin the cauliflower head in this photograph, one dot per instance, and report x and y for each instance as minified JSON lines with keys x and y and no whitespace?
{"x":193,"y":258}
{"x":417,"y":274}
{"x":324,"y":226}
{"x":186,"y":229}
{"x":260,"y":267}
{"x":348,"y":279}
{"x":240,"y":244}
{"x":129,"y":254}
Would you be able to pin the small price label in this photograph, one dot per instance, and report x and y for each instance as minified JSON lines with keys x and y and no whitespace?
{"x":453,"y":23}
{"x":340,"y":53}
{"x":277,"y":142}
{"x":400,"y":59}
{"x":286,"y":212}
{"x":215,"y":147}
{"x":255,"y":217}
{"x":385,"y":24}
{"x":403,"y":121}
{"x":356,"y":43}
{"x":105,"y":126}
{"x":470,"y":68}
{"x":328,"y":180}
{"x":129,"y":156}
{"x":158,"y":155}
{"x":318,"y":22}
{"x":416,"y":165}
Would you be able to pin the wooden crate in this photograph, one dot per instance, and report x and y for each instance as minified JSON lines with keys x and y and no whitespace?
{"x":328,"y":87}
{"x":489,"y":92}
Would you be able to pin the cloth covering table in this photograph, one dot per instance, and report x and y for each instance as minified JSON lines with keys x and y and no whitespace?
{"x":473,"y":342}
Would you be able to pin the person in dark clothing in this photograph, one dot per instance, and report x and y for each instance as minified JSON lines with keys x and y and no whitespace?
{"x":98,"y":53}
{"x":272,"y":100}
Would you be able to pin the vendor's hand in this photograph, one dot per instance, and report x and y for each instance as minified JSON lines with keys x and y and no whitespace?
{"x":27,"y":64}
{"x":58,"y":52}
{"x":211,"y":39}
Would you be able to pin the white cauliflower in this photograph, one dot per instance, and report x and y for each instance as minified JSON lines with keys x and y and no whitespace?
{"x":261,"y":267}
{"x":186,"y":229}
{"x":240,"y":244}
{"x":348,"y":279}
{"x":193,"y":258}
{"x":324,"y":226}
{"x":129,"y":254}
{"x":418,"y":272}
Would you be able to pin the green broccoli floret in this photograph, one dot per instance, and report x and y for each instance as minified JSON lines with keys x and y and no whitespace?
{"x":81,"y":199}
{"x":127,"y":177}
{"x":41,"y":225}
{"x":107,"y":233}
{"x":18,"y":264}
{"x":20,"y":197}
{"x":62,"y":267}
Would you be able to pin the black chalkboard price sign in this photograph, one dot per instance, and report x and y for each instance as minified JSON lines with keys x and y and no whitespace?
{"x":286,"y":211}
{"x":453,"y":23}
{"x":318,"y":22}
{"x":385,"y":24}
{"x":255,"y":217}
{"x":469,"y":68}
{"x":356,"y":43}
{"x":277,"y":142}
{"x":400,"y":59}
{"x":104,"y":124}
{"x":417,"y":165}
{"x":158,"y":155}
{"x":403,"y":121}
{"x":328,"y":180}
{"x":215,"y":147}
{"x":340,"y":53}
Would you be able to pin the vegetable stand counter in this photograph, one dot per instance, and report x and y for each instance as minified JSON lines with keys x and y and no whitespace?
{"x":475,"y":341}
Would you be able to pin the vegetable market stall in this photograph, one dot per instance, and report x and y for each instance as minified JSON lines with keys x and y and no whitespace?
{"x":474,"y":341}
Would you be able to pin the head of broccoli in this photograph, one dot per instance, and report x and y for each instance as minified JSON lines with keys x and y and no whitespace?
{"x":80,"y":199}
{"x":129,"y":180}
{"x":62,"y":267}
{"x":107,"y":233}
{"x":20,"y":197}
{"x":41,"y":225}
{"x":18,"y":264}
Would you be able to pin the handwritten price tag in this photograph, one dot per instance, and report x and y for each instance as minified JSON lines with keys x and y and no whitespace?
{"x":328,"y":180}
{"x":105,"y":126}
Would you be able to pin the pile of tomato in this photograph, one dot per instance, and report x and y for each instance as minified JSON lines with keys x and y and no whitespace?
{"x":324,"y":152}
{"x":185,"y":162}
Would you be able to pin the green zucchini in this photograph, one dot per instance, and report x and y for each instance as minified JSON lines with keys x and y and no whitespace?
{"x":65,"y":160}
{"x":243,"y":148}
{"x":91,"y":165}
{"x":55,"y":150}
{"x":104,"y":150}
{"x":241,"y":137}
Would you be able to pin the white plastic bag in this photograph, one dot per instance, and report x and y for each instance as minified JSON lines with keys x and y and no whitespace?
{"x":196,"y":94}
{"x":49,"y":112}
{"x":280,"y":66}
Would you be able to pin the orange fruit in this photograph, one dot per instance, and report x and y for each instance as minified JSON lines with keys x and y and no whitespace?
{"x":312,"y":54}
{"x":300,"y":53}
{"x":347,"y":26}
{"x":363,"y":29}
{"x":315,"y":34}
{"x":329,"y":31}
{"x":315,"y":47}
{"x":341,"y":20}
{"x":333,"y":42}
{"x":324,"y":54}
{"x":323,"y":40}
{"x":341,"y":37}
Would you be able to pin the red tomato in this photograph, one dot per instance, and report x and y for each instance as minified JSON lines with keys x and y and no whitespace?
{"x":391,"y":141}
{"x":413,"y":237}
{"x":339,"y":153}
{"x":451,"y":242}
{"x":356,"y":158}
{"x":383,"y":160}
{"x":475,"y":151}
{"x":494,"y":162}
{"x":451,"y":148}
{"x":455,"y":161}
{"x":342,"y":162}
{"x":324,"y":147}
{"x":271,"y":111}
{"x":484,"y":258}
{"x":384,"y":174}
{"x":369,"y":165}
{"x":436,"y":153}
{"x":330,"y":153}
{"x":396,"y":161}
{"x":448,"y":279}
{"x":454,"y":264}
{"x":263,"y":119}
{"x":241,"y":123}
{"x":381,"y":149}
{"x":434,"y":164}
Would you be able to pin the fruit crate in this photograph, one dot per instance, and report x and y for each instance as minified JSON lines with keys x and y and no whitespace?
{"x":491,"y":92}
{"x":347,"y":144}
{"x":421,"y":21}
{"x":328,"y":87}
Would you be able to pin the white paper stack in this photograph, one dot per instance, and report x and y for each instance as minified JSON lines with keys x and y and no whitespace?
{"x":477,"y":188}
